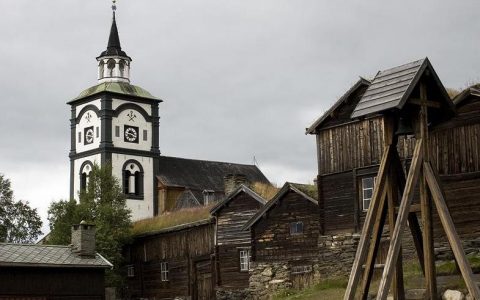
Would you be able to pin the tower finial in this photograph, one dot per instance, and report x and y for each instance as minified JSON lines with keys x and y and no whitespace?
{"x":114,"y":6}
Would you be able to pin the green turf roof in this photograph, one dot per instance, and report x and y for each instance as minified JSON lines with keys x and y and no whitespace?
{"x":122,"y":88}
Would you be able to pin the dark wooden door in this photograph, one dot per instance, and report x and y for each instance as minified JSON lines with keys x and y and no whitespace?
{"x":203,"y":281}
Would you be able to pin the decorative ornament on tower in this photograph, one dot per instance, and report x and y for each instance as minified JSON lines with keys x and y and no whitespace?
{"x":113,"y":63}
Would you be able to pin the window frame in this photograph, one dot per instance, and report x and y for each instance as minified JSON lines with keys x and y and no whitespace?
{"x":244,"y":254}
{"x":130,"y":271}
{"x":294,"y":228}
{"x":164,"y":271}
{"x":363,"y":189}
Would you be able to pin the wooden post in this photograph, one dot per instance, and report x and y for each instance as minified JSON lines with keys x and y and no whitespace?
{"x":450,"y":231}
{"x":402,"y":217}
{"x":426,"y":203}
{"x":392,"y":195}
{"x":374,"y":245}
{"x":372,"y":211}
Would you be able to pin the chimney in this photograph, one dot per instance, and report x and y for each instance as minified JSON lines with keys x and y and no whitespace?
{"x":232,"y":181}
{"x":83,"y":239}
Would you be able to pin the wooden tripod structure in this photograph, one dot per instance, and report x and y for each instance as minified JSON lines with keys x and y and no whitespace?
{"x":391,"y":185}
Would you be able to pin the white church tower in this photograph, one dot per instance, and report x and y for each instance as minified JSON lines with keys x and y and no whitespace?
{"x":117,"y":122}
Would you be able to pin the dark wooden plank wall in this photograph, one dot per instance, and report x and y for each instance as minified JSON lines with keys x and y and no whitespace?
{"x":180,"y":249}
{"x":231,"y":237}
{"x":271,"y":234}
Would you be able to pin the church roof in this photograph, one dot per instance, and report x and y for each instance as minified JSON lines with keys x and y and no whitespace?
{"x":203,"y":174}
{"x":122,"y":88}
{"x":113,"y":47}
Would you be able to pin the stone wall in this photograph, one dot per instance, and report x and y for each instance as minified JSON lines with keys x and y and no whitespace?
{"x":269,"y":278}
{"x":228,"y":294}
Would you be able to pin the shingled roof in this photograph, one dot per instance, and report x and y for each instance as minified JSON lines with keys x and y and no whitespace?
{"x":27,"y":255}
{"x":391,"y":88}
{"x":241,"y":189}
{"x":203,"y":174}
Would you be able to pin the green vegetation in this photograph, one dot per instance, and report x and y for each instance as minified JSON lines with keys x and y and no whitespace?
{"x":326,"y":289}
{"x":168,"y":220}
{"x":266,"y":191}
{"x":102,"y":204}
{"x":19,"y":223}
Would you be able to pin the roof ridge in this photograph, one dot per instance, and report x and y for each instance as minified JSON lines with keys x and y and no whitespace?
{"x":212,"y":161}
{"x":36,"y":245}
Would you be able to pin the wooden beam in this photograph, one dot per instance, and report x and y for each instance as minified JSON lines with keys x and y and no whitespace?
{"x":368,"y":224}
{"x":450,"y":231}
{"x":396,"y":241}
{"x":426,"y":103}
{"x":392,"y":195}
{"x":374,"y":245}
{"x":413,"y":208}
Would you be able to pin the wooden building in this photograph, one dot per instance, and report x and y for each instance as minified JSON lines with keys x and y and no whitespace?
{"x":349,"y":150}
{"x":233,"y":245}
{"x":183,"y":183}
{"x":173,"y":262}
{"x":286,"y":230}
{"x":44,"y":272}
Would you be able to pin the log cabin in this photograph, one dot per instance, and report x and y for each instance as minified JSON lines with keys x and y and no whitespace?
{"x":33,"y":271}
{"x":176,"y":261}
{"x":233,"y":245}
{"x":349,"y":149}
{"x":285,"y":231}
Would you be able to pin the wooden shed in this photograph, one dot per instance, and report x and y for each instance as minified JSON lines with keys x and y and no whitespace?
{"x":233,"y":245}
{"x":349,"y":149}
{"x":286,"y":230}
{"x":172,"y":262}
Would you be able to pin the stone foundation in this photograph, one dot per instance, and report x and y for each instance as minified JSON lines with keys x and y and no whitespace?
{"x":268,"y":278}
{"x":226,"y":294}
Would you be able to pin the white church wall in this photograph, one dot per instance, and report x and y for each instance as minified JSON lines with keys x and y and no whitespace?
{"x":95,"y":103}
{"x":117,"y":102}
{"x":140,"y":122}
{"x":141,"y":209}
{"x":95,"y":123}
{"x":94,"y":159}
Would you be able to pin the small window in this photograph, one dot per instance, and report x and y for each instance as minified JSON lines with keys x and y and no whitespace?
{"x":117,"y":131}
{"x":97,"y":132}
{"x":368,"y":184}
{"x":301,"y":269}
{"x":245,"y":260}
{"x":145,"y":134}
{"x":130,"y":271}
{"x":79,"y":137}
{"x":208,"y":197}
{"x":296,"y":228}
{"x":164,"y":271}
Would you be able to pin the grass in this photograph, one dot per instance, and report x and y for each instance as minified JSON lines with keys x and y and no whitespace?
{"x":328,"y":289}
{"x":183,"y":216}
{"x":266,"y":191}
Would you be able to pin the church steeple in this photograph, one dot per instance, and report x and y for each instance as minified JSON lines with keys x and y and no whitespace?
{"x":113,"y":63}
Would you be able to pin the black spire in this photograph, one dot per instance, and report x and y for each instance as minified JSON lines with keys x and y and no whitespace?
{"x":113,"y":46}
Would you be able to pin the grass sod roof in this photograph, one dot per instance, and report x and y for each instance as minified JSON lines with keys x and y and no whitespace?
{"x":122,"y":88}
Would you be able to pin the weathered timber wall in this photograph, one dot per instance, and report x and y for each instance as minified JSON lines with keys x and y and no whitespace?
{"x":181,"y":249}
{"x":271,"y":235}
{"x":231,"y":238}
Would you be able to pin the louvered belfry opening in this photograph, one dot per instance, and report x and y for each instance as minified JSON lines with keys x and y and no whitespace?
{"x":410,"y":92}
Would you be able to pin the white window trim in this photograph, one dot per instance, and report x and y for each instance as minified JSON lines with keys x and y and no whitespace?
{"x":130,"y":271}
{"x":296,"y":232}
{"x":245,"y":259}
{"x":367,"y":200}
{"x":164,"y":271}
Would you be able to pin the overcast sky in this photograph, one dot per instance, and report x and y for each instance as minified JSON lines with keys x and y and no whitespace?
{"x":240,"y":79}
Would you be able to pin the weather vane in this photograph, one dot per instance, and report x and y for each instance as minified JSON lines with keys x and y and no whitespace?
{"x":114,"y":6}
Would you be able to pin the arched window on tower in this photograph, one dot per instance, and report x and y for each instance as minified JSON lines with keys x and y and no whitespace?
{"x":111,"y":66}
{"x":121,"y":67}
{"x":85,"y":171}
{"x":133,"y":179}
{"x":101,"y":69}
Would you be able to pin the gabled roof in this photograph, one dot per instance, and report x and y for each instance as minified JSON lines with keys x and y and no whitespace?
{"x":122,"y":88}
{"x":28,"y":255}
{"x":391,"y":88}
{"x":203,"y":174}
{"x":360,"y":83}
{"x":308,"y":192}
{"x":470,"y":91}
{"x":241,"y":189}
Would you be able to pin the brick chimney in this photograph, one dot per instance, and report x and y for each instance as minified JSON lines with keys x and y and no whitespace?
{"x":83,"y":239}
{"x":232,"y":181}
